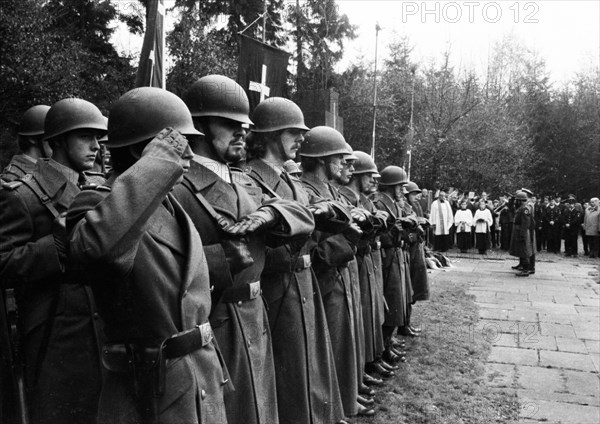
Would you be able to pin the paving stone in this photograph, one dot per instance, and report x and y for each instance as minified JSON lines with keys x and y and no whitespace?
{"x":587,"y":301}
{"x":588,"y":334}
{"x":589,"y":311}
{"x":593,"y":346}
{"x":521,"y":314}
{"x":566,"y":360}
{"x":498,"y":314}
{"x":509,"y":355}
{"x":558,"y":330}
{"x":571,"y":345}
{"x":540,"y":379}
{"x":537,"y":341}
{"x":582,"y":383}
{"x":558,"y":412}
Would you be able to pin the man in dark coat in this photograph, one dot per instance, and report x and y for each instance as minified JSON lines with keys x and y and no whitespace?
{"x":307,"y":386}
{"x":322,"y":158}
{"x":522,"y":244}
{"x":57,"y":319}
{"x":31,"y":144}
{"x":571,"y":219}
{"x":239,"y":316}
{"x":551,"y":223}
{"x":149,"y":272}
{"x":396,"y":272}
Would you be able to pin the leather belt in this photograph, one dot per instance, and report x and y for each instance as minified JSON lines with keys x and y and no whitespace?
{"x":242,"y":292}
{"x":188,"y":341}
{"x":302,"y":262}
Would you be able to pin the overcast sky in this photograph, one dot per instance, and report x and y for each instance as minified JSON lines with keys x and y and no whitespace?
{"x":566,"y":33}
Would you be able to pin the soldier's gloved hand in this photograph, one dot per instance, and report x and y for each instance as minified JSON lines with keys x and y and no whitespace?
{"x":358,"y":215}
{"x":168,"y":144}
{"x":382,"y":216}
{"x":237,"y":253}
{"x":59,"y":232}
{"x":263,"y":218}
{"x":322,"y":210}
{"x":353,"y":233}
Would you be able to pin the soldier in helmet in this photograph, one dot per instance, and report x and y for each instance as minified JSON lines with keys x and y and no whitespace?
{"x":236,"y":226}
{"x":147,"y":266}
{"x":521,"y":244}
{"x":368,"y":256}
{"x":31,"y":144}
{"x":396,"y":273}
{"x":361,"y":217}
{"x":62,"y":372}
{"x":307,"y":389}
{"x":571,"y":219}
{"x":322,"y":157}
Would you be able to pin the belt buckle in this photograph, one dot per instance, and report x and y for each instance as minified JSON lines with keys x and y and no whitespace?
{"x":254,"y":289}
{"x":206,"y":333}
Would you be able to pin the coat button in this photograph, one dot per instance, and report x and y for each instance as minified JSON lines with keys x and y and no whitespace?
{"x":248,"y":343}
{"x":203,"y":394}
{"x":240,"y":303}
{"x":304,"y":300}
{"x":96,"y":315}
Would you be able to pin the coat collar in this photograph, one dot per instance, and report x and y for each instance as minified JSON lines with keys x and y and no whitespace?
{"x":51,"y":178}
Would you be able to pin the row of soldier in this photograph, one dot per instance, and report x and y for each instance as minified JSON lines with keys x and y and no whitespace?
{"x":201,"y":282}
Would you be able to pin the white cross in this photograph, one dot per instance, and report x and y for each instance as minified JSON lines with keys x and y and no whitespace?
{"x":261,"y":86}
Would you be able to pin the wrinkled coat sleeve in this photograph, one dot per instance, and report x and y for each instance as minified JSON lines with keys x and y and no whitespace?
{"x":22,"y":258}
{"x":296,"y":219}
{"x":111,"y":231}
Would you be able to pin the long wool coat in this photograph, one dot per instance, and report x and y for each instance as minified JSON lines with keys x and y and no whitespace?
{"x":332,"y":253}
{"x":371,"y":290}
{"x":150,"y":278}
{"x":395,"y":264}
{"x":521,"y":243}
{"x":307,"y":386}
{"x":62,"y":376}
{"x":241,"y":327}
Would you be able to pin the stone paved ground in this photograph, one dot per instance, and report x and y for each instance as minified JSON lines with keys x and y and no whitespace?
{"x":544,"y":329}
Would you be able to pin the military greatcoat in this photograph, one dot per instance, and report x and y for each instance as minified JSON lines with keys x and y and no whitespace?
{"x":307,"y":386}
{"x":57,"y":319}
{"x":521,"y":244}
{"x":150,"y":277}
{"x":20,"y":165}
{"x":332,"y":253}
{"x":396,"y":274}
{"x":241,"y":323}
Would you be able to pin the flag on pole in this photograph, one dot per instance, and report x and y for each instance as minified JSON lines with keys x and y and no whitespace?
{"x":262,"y":70}
{"x":151,"y":70}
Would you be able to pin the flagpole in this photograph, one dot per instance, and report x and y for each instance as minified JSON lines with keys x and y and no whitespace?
{"x":411,"y":128}
{"x":164,"y":46}
{"x":377,"y":29}
{"x":142,"y":72}
{"x":264,"y":24}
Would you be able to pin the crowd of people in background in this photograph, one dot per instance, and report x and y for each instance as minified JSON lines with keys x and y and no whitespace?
{"x":467,"y":221}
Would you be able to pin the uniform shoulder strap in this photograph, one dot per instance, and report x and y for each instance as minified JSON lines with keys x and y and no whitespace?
{"x":32,"y":183}
{"x":263,"y":185}
{"x":216,"y":216}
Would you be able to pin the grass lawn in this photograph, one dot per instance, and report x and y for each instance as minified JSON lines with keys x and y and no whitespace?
{"x":443,"y":380}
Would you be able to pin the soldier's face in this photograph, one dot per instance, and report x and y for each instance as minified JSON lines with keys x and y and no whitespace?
{"x":228,"y":139}
{"x":334,"y":165}
{"x":347,"y":170}
{"x":80,"y":149}
{"x":290,"y":142}
{"x":367,"y":183}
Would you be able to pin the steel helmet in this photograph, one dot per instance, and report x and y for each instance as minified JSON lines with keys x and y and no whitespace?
{"x":323,"y":141}
{"x":277,"y":113}
{"x":365,"y":164}
{"x":217,"y":95}
{"x":392,"y":175}
{"x":411,"y":187}
{"x":72,"y":114}
{"x":104,"y":138}
{"x":350,"y":155}
{"x":32,"y":121}
{"x":143,"y":112}
{"x":520,"y":195}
